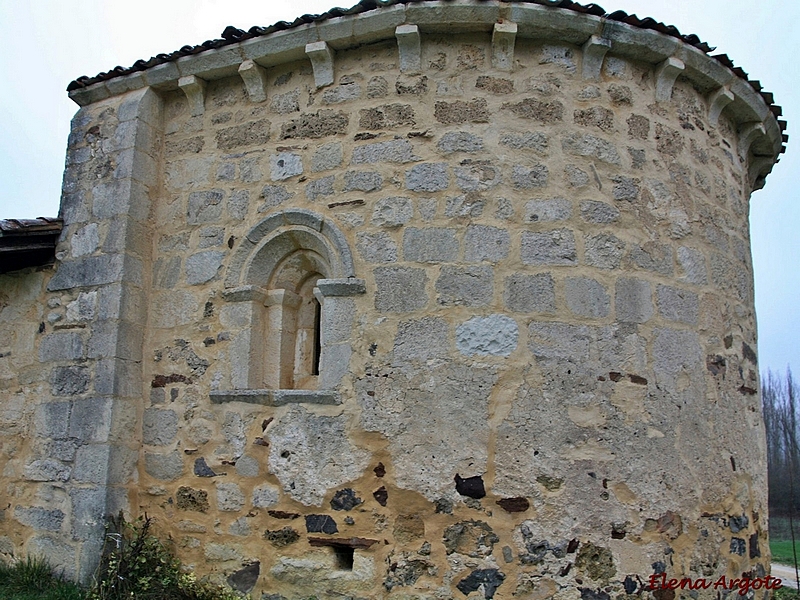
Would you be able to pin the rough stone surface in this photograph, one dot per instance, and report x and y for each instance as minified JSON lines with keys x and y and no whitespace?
{"x":495,"y":335}
{"x":363,"y":181}
{"x":675,"y":304}
{"x":430,"y":244}
{"x":376,"y":247}
{"x":530,"y":293}
{"x":652,"y":256}
{"x":604,"y":251}
{"x":69,"y":381}
{"x":591,"y":146}
{"x":315,"y":125}
{"x":40,"y":519}
{"x":454,"y":113}
{"x":400,"y":289}
{"x":428,"y":177}
{"x":465,"y":286}
{"x":599,"y":213}
{"x":554,"y":209}
{"x":386,"y":116}
{"x":392,"y":212}
{"x":536,"y":141}
{"x":483,"y":242}
{"x":229,"y":497}
{"x":285,"y":165}
{"x":586,"y":297}
{"x":203,"y":266}
{"x":320,"y":187}
{"x":460,"y":141}
{"x":165,"y":467}
{"x":531,"y":108}
{"x":421,"y":340}
{"x":265,"y":496}
{"x":311,"y":454}
{"x":693,"y":265}
{"x":555,"y":247}
{"x":633,"y":300}
{"x":159,"y":427}
{"x":394,"y":151}
{"x":247,"y":134}
{"x":450,"y":399}
{"x":525,"y":178}
{"x":328,"y":156}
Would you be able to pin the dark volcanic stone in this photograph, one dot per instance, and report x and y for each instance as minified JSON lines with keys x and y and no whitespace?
{"x":471,"y":487}
{"x":245,"y":579}
{"x":381,"y":495}
{"x":513,"y":505}
{"x":345,"y":499}
{"x":490,"y":578}
{"x":201,"y":469}
{"x":320,"y":524}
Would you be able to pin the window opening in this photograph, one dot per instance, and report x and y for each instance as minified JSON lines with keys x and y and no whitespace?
{"x":317,"y":337}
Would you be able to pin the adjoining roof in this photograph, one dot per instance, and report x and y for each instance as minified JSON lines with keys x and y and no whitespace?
{"x":28,"y":242}
{"x":232,"y":35}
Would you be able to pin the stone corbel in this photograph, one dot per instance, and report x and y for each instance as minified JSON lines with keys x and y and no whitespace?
{"x":666,"y":74}
{"x":717,"y":102}
{"x":195,"y":90}
{"x":594,"y":52}
{"x":321,"y":57}
{"x":504,"y":37}
{"x":748,"y":133}
{"x":255,"y":80}
{"x":409,"y":47}
{"x":758,"y":170}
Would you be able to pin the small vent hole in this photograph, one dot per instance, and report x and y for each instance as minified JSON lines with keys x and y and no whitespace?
{"x":344,"y":558}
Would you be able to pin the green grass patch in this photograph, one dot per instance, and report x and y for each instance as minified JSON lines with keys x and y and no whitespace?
{"x":782,"y":551}
{"x":33,"y":579}
{"x":786,"y":593}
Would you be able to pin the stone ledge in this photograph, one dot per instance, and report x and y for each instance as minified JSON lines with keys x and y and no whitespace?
{"x":276,"y":397}
{"x":534,"y":21}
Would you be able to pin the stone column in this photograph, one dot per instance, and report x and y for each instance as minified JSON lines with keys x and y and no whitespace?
{"x":94,"y":356}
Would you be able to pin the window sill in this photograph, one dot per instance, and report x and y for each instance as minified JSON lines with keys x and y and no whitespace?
{"x":276,"y":397}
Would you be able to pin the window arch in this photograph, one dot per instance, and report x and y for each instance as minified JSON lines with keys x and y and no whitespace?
{"x":290,"y":280}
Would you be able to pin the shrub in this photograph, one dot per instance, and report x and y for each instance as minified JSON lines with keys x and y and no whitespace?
{"x":136,"y":565}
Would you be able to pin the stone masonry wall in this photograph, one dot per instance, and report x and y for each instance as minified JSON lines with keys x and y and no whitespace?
{"x":548,"y":389}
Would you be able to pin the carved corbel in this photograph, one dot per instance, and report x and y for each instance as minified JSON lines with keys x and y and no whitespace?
{"x":195,"y":90}
{"x":321,"y":57}
{"x":717,"y":102}
{"x":409,"y":47}
{"x":594,"y":52}
{"x":504,"y":37}
{"x":666,"y":74}
{"x":748,"y":133}
{"x":255,"y":80}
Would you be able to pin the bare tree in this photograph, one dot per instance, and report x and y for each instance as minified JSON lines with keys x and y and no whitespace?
{"x":780,"y":409}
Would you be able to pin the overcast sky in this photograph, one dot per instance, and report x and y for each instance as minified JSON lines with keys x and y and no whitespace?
{"x":48,"y":43}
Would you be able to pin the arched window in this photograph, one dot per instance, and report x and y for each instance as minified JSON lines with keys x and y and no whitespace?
{"x":289,"y":290}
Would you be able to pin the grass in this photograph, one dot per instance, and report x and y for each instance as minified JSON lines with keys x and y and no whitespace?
{"x":33,"y":579}
{"x":786,"y":593}
{"x":782,"y":551}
